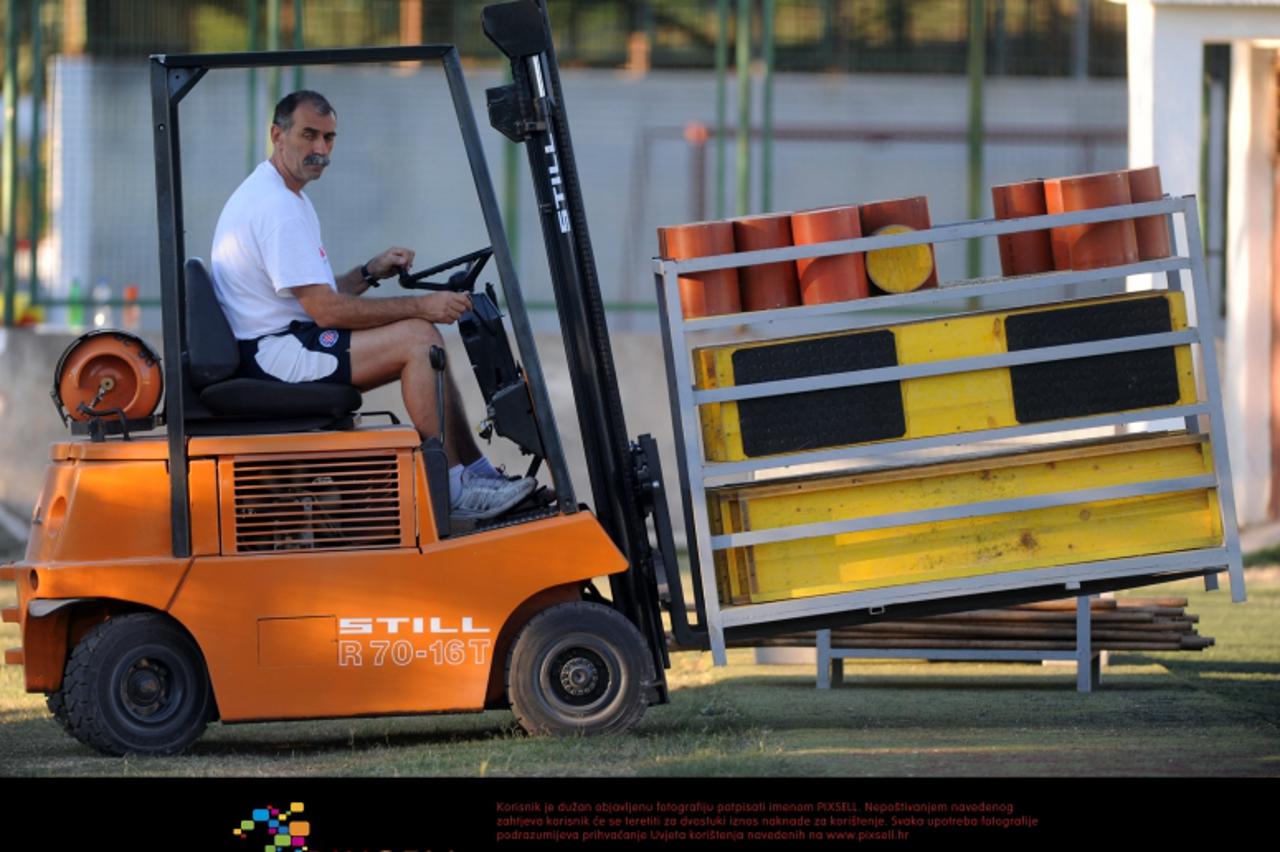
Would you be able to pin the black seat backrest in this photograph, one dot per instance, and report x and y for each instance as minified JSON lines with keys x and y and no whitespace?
{"x":218,"y":402}
{"x":212,"y":351}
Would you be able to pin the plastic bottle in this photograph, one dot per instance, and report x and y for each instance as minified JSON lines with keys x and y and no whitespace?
{"x":101,"y":310}
{"x":131,"y":313}
{"x":75,"y":306}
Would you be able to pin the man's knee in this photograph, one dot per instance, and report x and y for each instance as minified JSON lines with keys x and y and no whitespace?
{"x":413,"y":339}
{"x":420,"y":334}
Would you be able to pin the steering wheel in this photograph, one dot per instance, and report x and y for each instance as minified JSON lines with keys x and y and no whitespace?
{"x":462,"y":281}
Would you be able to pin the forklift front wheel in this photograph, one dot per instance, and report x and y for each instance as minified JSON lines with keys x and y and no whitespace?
{"x":578,"y":668}
{"x":136,"y":684}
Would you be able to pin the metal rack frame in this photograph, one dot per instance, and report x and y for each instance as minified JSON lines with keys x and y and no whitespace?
{"x":681,"y":336}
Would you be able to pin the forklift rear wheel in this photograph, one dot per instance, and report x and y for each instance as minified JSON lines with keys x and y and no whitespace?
{"x":579,"y":668}
{"x":136,"y":684}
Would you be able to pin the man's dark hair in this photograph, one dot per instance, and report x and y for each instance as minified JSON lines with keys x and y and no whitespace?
{"x":290,"y":103}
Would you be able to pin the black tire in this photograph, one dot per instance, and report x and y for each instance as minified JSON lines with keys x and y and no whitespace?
{"x":136,"y":684}
{"x":579,"y":668}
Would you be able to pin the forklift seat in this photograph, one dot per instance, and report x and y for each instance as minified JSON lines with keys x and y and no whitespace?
{"x":212,"y":357}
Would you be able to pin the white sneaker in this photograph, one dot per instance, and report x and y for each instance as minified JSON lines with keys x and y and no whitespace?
{"x":483,"y":497}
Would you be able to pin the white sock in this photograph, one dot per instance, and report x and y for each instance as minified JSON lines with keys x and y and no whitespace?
{"x":483,"y":467}
{"x":455,"y":483}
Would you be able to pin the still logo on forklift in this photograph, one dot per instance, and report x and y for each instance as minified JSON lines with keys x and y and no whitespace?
{"x":406,"y":624}
{"x":557,"y":184}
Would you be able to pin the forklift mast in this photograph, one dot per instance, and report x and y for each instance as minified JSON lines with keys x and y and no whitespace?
{"x":531,"y":110}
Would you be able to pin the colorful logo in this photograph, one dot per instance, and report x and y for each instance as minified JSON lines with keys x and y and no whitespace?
{"x":322,"y":254}
{"x":279,"y":828}
{"x":328,"y":338}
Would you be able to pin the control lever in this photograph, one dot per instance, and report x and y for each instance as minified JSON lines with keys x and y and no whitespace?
{"x":434,"y":458}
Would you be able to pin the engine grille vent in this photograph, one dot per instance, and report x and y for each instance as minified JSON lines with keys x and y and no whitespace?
{"x":330,"y":503}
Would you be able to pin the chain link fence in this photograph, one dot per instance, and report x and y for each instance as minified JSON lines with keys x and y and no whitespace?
{"x":1024,"y":37}
{"x":80,"y":186}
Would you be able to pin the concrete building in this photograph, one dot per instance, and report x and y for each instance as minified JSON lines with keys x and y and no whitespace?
{"x":1167,"y":40}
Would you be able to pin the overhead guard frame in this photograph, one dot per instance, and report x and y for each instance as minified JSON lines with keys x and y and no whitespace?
{"x":172,"y":78}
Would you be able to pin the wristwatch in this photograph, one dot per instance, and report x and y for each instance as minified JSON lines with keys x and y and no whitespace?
{"x":368,"y":276}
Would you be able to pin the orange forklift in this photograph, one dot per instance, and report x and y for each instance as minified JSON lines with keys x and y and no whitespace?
{"x":276,"y":555}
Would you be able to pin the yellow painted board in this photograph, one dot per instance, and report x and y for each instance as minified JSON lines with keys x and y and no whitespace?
{"x":1011,"y":541}
{"x":937,"y":405}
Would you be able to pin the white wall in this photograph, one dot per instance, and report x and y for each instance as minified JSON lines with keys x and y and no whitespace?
{"x":1166,"y":40}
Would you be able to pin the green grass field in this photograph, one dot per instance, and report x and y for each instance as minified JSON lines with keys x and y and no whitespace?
{"x":1213,"y":712}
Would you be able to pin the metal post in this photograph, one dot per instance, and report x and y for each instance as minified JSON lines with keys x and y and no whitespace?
{"x":828,"y":34}
{"x":251,"y":149}
{"x":273,"y":43}
{"x":695,"y":134}
{"x":1206,"y":321}
{"x":649,"y":26}
{"x":766,"y":155}
{"x":823,"y":649}
{"x":164,"y":123}
{"x":1213,"y":189}
{"x":1000,"y":54}
{"x":298,"y":42}
{"x":977,"y":73}
{"x":9,"y":179}
{"x":1080,"y":59}
{"x":511,"y":189}
{"x":722,"y":67}
{"x":37,"y":99}
{"x":742,"y":58}
{"x":1085,"y":659}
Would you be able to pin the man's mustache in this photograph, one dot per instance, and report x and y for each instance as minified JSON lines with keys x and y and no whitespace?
{"x":316,"y":160}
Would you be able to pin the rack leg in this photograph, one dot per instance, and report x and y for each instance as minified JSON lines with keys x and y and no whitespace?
{"x":1088,"y":664}
{"x":824,"y":659}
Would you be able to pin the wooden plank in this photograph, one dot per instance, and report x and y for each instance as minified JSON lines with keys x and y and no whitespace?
{"x":1151,"y":602}
{"x":1069,"y":604}
{"x":926,"y":634}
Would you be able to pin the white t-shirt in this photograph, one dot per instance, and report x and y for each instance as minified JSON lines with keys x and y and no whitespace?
{"x":267,"y":240}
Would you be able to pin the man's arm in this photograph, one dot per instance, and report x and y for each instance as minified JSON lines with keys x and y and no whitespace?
{"x":343,"y":310}
{"x":384,"y":265}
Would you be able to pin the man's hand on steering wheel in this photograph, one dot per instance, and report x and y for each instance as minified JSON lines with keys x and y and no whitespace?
{"x":390,"y":262}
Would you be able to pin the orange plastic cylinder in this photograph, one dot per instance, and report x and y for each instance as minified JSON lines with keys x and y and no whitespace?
{"x":1099,"y":244}
{"x":913,"y":213}
{"x":1152,"y":231}
{"x":837,"y":278}
{"x":767,"y":285}
{"x":703,"y":294}
{"x":1030,"y":251}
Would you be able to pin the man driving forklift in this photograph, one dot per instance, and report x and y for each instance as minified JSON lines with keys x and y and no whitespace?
{"x":296,"y":321}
